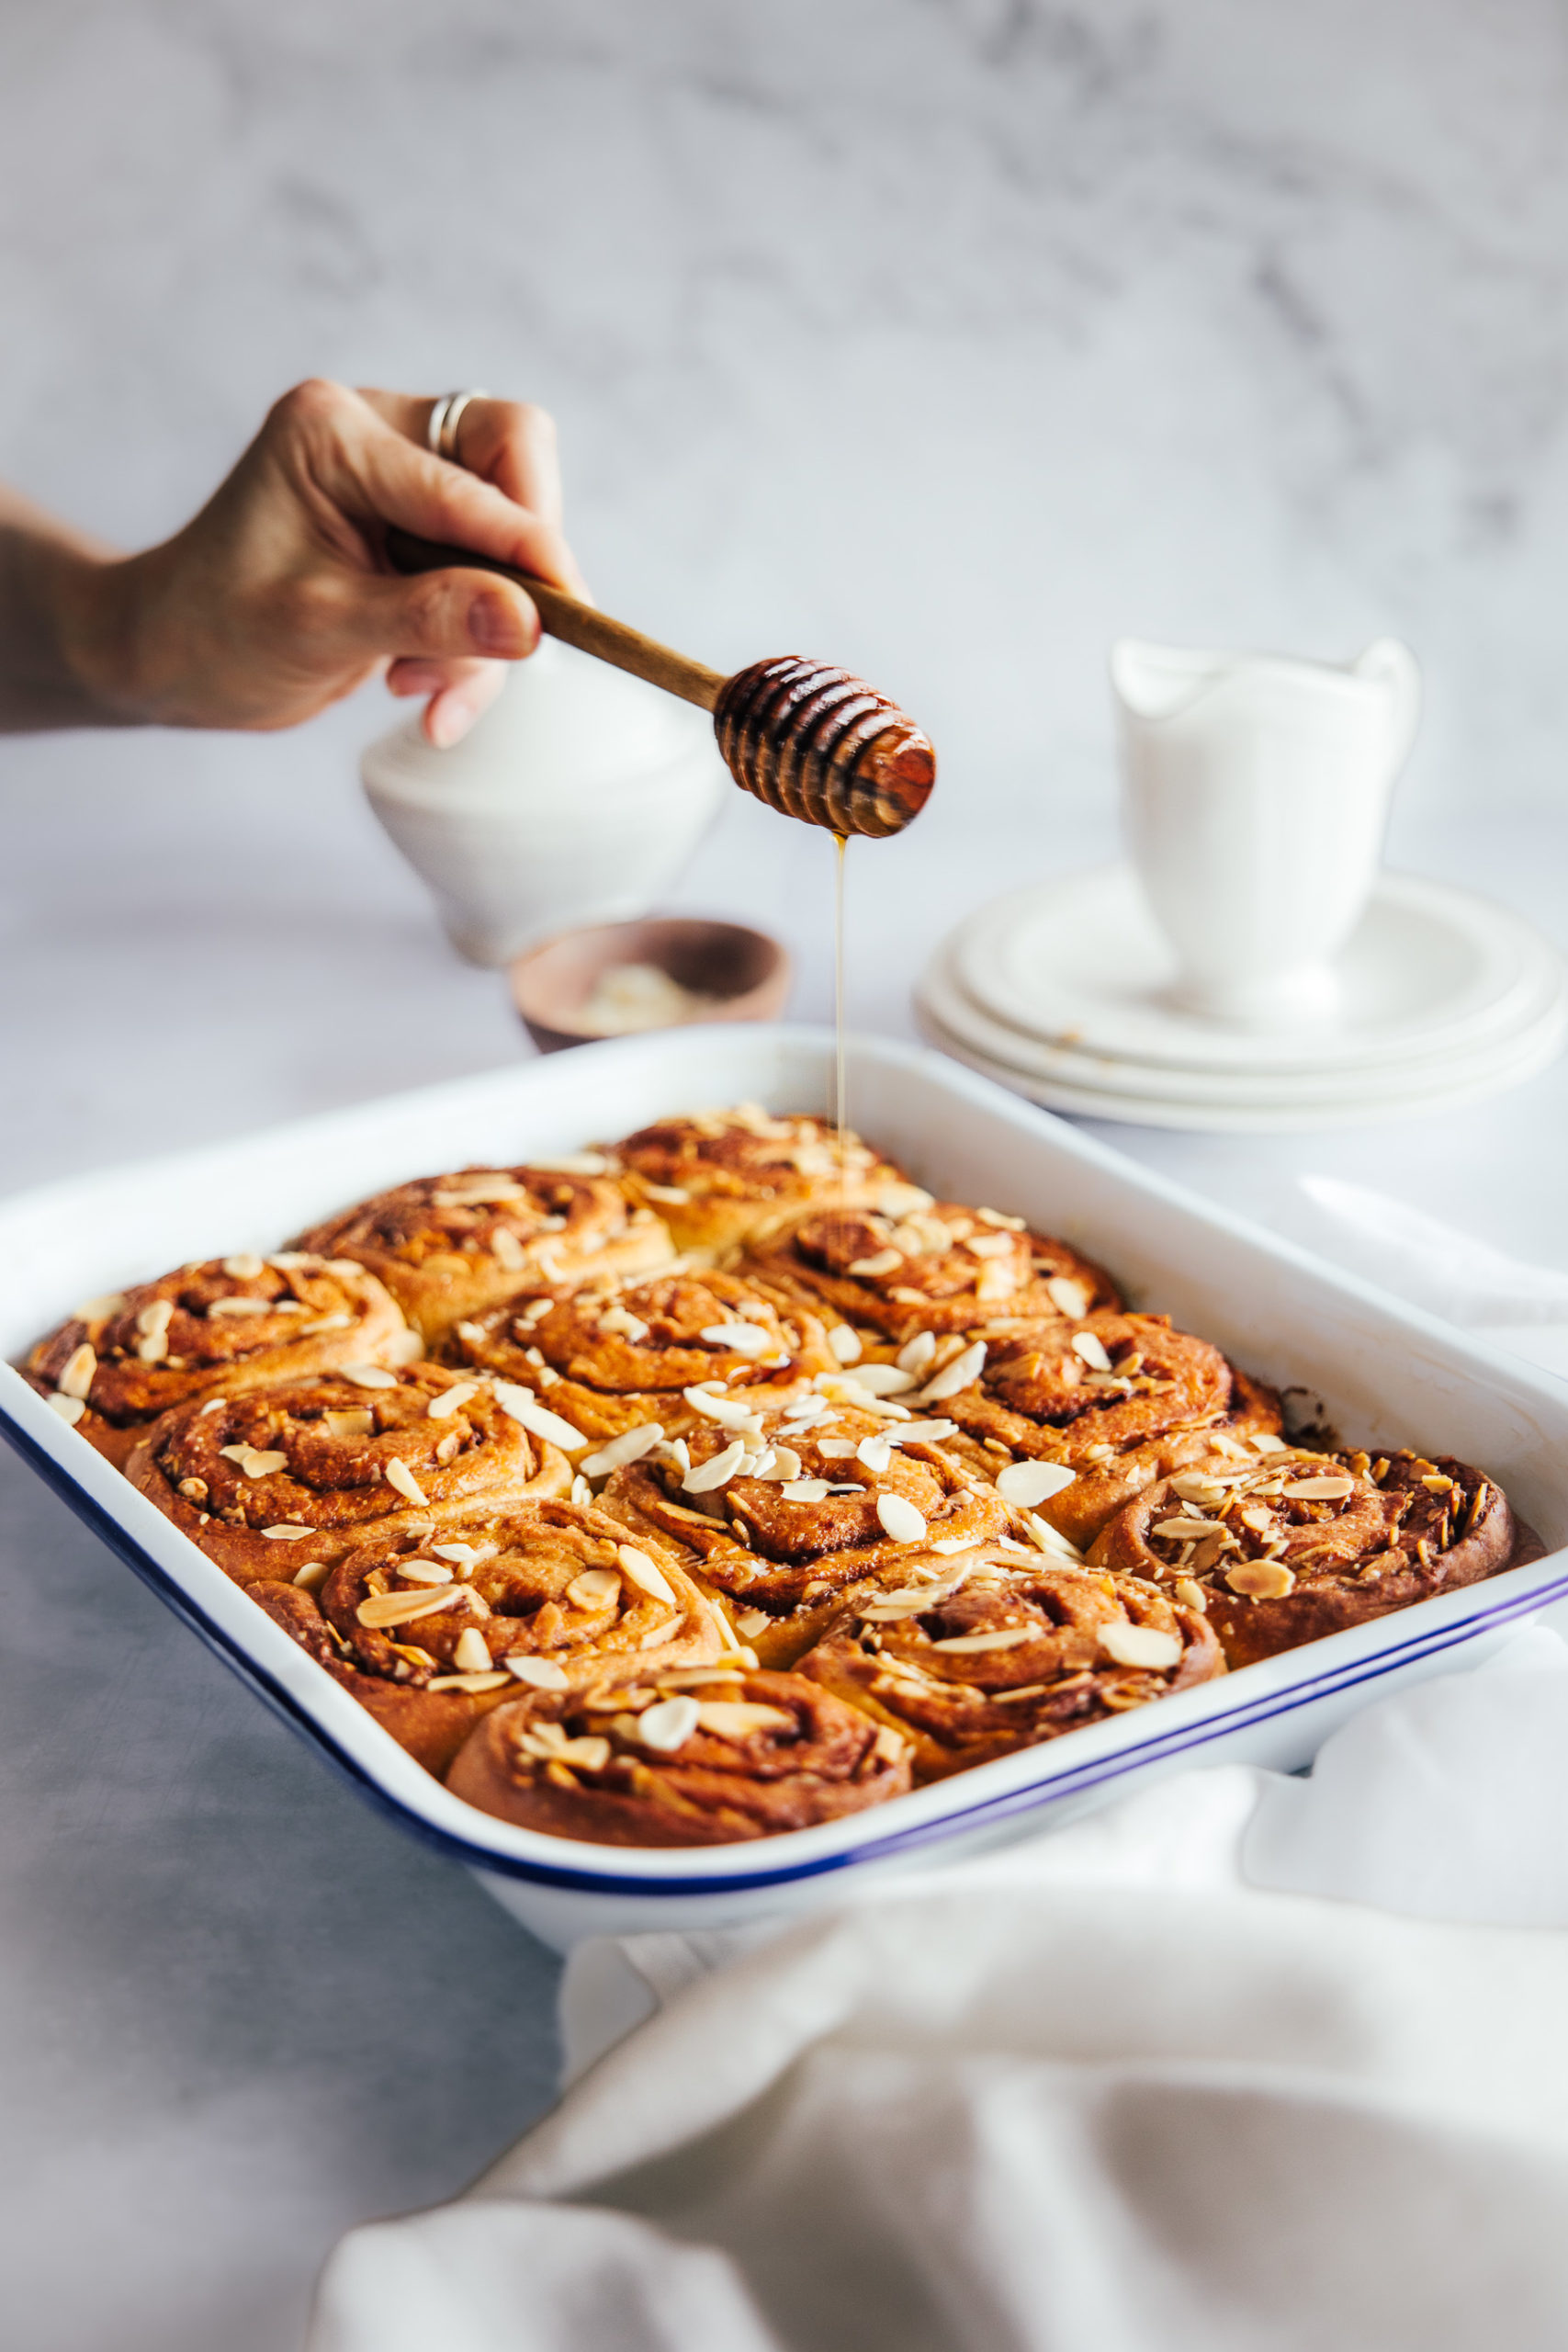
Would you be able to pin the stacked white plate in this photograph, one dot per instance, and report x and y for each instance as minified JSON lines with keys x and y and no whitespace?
{"x":1064,"y":992}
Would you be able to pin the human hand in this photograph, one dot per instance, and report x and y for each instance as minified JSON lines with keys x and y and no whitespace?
{"x":276,"y":600}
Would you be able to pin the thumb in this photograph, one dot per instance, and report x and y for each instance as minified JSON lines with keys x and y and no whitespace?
{"x":439,"y":616}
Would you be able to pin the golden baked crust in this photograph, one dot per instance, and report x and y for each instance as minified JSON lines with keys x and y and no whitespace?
{"x":1118,"y":1400}
{"x":803,"y":1508}
{"x":547,"y":1592}
{"x":1303,"y":1544}
{"x":717,"y":1176}
{"x":1004,"y":1653}
{"x":753,"y":1754}
{"x":324,"y":1463}
{"x":211,"y":1329}
{"x":612,"y":1357}
{"x":451,"y":1246}
{"x":431,"y":1725}
{"x":939,"y":1268}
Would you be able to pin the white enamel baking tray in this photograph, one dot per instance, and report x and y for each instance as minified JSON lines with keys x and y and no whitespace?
{"x":1388,"y":1374}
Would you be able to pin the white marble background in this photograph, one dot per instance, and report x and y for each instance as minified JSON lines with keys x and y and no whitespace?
{"x":947,"y":338}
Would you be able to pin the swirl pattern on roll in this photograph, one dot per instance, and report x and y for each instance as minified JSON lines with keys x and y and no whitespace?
{"x":614,"y":1358}
{"x":1006,"y":1654}
{"x":696,"y":1759}
{"x":942,"y":1268}
{"x":1303,"y":1544}
{"x":717,"y":1176}
{"x":1115,"y":1401}
{"x":207,"y":1330}
{"x":278,"y":1479}
{"x":451,"y":1246}
{"x":780,"y":1517}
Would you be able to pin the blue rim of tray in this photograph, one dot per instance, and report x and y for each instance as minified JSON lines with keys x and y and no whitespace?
{"x":986,"y":1812}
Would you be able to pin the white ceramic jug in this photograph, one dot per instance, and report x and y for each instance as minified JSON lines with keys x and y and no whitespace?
{"x":1256,"y":795}
{"x":575,"y":798}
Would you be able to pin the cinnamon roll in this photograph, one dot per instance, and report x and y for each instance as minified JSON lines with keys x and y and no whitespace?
{"x":936,"y":1269}
{"x":697,"y":1758}
{"x":431,"y":1725}
{"x":451,"y":1246}
{"x":279,"y":1479}
{"x":1009,"y":1654}
{"x":1110,"y":1403}
{"x":1301,"y":1544}
{"x":777,"y":1517}
{"x":211,"y":1329}
{"x":548,"y":1593}
{"x":719,"y":1175}
{"x":614,"y":1358}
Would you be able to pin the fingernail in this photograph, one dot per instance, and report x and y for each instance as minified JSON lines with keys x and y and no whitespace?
{"x":496,"y":628}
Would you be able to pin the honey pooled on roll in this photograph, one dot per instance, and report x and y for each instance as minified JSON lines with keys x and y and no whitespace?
{"x":1007,"y":1654}
{"x":1303,"y":1544}
{"x":617,"y":1358}
{"x":938,"y":1269}
{"x":280,"y":1479}
{"x":207,"y":1330}
{"x":451,"y":1246}
{"x":717,"y":1176}
{"x":777,"y":1517}
{"x":693,"y":1759}
{"x":1113,"y":1403}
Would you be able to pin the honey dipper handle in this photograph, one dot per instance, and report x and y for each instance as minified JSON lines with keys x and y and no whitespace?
{"x":584,"y":625}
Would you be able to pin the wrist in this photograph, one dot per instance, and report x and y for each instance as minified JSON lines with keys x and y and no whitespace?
{"x":62,"y":626}
{"x":91,"y":601}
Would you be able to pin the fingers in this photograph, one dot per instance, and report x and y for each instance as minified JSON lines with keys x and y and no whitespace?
{"x":446,"y":617}
{"x":460,"y":691}
{"x":510,"y":443}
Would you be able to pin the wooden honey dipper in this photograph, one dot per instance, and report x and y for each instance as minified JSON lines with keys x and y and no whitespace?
{"x":804,"y":737}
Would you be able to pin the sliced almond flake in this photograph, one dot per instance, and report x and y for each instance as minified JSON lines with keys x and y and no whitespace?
{"x":728,"y":1411}
{"x":431,"y":1572}
{"x":962,"y":1370}
{"x":882,"y":1262}
{"x":383,"y":1608}
{"x":593,"y":1588}
{"x":450,"y":1401}
{"x":156,"y":1315}
{"x":1050,"y":1539}
{"x":351,"y":1422}
{"x":470,"y":1652}
{"x":1143,"y":1646}
{"x":239,"y":1306}
{"x":749,"y":1622}
{"x":783,"y":1464}
{"x":805,"y":1490}
{"x":473,"y":1685}
{"x":900,"y":1520}
{"x":312,"y":1576}
{"x":741,"y":1339}
{"x":1324,"y":1490}
{"x":366,"y":1375}
{"x":630,"y":1446}
{"x":989,"y":1245}
{"x":675,"y":1194}
{"x":1261,"y":1579}
{"x":836,"y":1449}
{"x":1182,"y":1530}
{"x":537,"y":1419}
{"x":916,"y":1354}
{"x":507,"y":1250}
{"x":739,"y":1718}
{"x":717,"y":1473}
{"x":948,"y":1545}
{"x":77,"y":1378}
{"x":539,"y":1673}
{"x":668,"y":1725}
{"x":98,"y":1310}
{"x":1264,"y":1442}
{"x":921,"y":1433}
{"x":638,"y":1570}
{"x":70,"y":1408}
{"x":1005,"y":1638}
{"x":288,"y":1531}
{"x":1029,"y":1483}
{"x":399,"y":1476}
{"x":1090,"y":1348}
{"x":996,"y":1217}
{"x":875,"y":1453}
{"x":581,"y":1492}
{"x":1191,"y":1595}
{"x":880,"y":1379}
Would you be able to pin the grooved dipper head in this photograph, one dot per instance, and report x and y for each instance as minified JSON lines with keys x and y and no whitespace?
{"x":813,"y":741}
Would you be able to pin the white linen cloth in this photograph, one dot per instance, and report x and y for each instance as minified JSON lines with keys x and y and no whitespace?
{"x":1123,"y":2087}
{"x":1241,"y":2063}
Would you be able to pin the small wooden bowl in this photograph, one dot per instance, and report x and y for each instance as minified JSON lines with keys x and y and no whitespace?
{"x":746,"y":972}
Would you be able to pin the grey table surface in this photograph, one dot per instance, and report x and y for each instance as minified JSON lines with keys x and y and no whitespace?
{"x":238,"y":2012}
